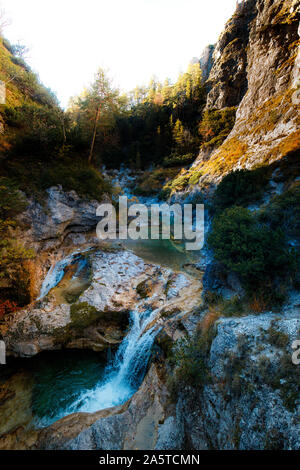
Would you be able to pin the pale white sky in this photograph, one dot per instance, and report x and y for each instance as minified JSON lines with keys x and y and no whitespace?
{"x":134,"y":39}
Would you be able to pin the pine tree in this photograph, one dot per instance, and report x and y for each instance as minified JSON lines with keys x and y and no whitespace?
{"x":178,"y":133}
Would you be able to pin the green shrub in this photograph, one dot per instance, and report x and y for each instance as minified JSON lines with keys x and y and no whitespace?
{"x":189,"y":361}
{"x":240,"y":188}
{"x":255,"y":252}
{"x":284,"y":211}
{"x":216,"y":126}
{"x":143,"y":289}
{"x":14,"y":280}
{"x":194,"y":179}
{"x":34,"y":176}
{"x":178,"y":160}
{"x":152,"y":182}
{"x":40,"y":128}
{"x":19,"y":61}
{"x":284,"y":376}
{"x":179,"y":183}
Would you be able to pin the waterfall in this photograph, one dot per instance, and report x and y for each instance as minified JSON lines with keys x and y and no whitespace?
{"x":124,"y":375}
{"x":126,"y":369}
{"x":57,"y":271}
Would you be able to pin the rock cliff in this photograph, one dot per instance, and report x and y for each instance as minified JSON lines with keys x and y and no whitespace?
{"x":252,"y":399}
{"x":207,"y":61}
{"x":227,"y":80}
{"x":256,"y":67}
{"x":53,"y":227}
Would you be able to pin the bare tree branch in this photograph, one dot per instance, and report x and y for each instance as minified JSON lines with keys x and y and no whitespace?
{"x":4,"y":21}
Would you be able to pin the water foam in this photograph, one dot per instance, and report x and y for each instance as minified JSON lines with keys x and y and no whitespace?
{"x":125,"y":374}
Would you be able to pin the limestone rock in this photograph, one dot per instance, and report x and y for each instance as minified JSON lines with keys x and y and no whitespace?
{"x":228,"y":78}
{"x":256,"y":67}
{"x":64,"y":212}
{"x":99,"y":317}
{"x":206,"y":61}
{"x":244,"y":407}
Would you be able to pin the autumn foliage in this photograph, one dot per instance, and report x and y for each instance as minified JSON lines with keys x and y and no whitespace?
{"x":7,"y":307}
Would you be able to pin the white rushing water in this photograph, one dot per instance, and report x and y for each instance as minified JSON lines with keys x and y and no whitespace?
{"x":126,"y":372}
{"x":56,"y":273}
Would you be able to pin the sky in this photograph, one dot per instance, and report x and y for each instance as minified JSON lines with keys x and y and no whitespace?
{"x":134,"y":39}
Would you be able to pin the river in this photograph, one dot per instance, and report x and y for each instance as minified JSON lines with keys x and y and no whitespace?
{"x":55,"y":384}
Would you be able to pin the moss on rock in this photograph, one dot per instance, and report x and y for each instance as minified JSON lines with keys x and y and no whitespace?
{"x":83,"y":315}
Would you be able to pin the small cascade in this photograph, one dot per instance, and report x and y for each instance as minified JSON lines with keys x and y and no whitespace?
{"x":57,"y":271}
{"x":125,"y":373}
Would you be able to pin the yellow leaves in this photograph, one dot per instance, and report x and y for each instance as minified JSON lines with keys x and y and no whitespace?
{"x":289,"y":62}
{"x":229,"y":154}
{"x":285,"y":15}
{"x":194,"y":179}
{"x":288,"y":144}
{"x":12,"y":253}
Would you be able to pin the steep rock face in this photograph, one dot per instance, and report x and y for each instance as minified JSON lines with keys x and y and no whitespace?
{"x":206,"y":61}
{"x":53,"y":228}
{"x":63,"y":213}
{"x":228,"y":78}
{"x":267,"y":120}
{"x":252,"y":401}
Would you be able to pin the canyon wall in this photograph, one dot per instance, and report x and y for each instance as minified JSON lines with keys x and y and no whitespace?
{"x":256,"y":68}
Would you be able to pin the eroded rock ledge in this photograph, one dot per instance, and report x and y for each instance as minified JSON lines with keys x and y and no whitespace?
{"x":100,"y":316}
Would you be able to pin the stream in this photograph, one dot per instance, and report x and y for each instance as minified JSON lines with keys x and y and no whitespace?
{"x":55,"y":384}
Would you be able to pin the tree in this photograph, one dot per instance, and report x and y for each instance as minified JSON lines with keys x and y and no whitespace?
{"x":178,"y":133}
{"x":167,"y":91}
{"x":20,"y":50}
{"x":97,"y":108}
{"x":101,"y":95}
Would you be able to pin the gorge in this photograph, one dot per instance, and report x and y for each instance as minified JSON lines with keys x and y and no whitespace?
{"x":140,"y":344}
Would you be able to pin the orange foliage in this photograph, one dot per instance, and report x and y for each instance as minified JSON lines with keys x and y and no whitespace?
{"x":225,"y":157}
{"x":289,"y":144}
{"x":7,"y":307}
{"x":209,"y":319}
{"x":258,"y":305}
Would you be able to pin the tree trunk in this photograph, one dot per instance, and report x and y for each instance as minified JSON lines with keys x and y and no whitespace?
{"x":94,"y":135}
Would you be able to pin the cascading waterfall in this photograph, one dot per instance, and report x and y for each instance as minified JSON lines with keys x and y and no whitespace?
{"x":125,"y":374}
{"x":57,"y":271}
